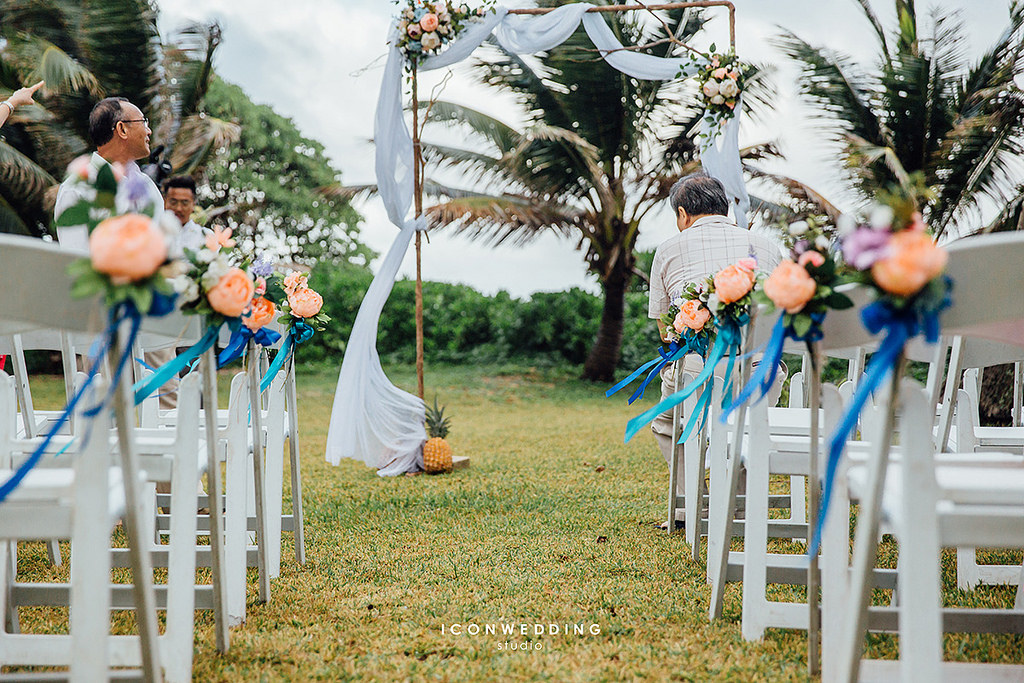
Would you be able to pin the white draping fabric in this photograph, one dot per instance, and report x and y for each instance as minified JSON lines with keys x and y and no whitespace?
{"x":372,"y":420}
{"x":720,"y":157}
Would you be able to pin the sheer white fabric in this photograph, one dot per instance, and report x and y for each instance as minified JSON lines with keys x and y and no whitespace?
{"x":372,"y":420}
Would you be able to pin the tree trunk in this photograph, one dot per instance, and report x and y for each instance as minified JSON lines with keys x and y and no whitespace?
{"x":604,"y":354}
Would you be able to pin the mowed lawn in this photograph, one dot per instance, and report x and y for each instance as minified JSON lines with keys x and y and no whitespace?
{"x":551,"y":524}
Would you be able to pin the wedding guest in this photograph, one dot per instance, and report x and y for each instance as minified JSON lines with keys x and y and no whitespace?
{"x":180,"y":199}
{"x":20,"y":98}
{"x":708,"y":241}
{"x":120,"y":133}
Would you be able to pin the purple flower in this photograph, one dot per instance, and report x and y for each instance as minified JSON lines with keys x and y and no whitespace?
{"x":262,"y":267}
{"x":864,"y":246}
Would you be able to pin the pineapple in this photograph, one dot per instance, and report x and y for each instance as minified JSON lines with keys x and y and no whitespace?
{"x":437,"y":453}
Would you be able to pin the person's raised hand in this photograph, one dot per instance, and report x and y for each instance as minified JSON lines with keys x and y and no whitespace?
{"x":23,"y":96}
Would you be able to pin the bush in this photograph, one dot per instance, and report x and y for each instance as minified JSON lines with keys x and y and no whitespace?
{"x":463,"y":325}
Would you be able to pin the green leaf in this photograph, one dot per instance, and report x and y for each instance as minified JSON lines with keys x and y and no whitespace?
{"x":838,"y":302}
{"x":80,"y":267}
{"x":88,"y":285}
{"x":143,"y":298}
{"x":105,"y":182}
{"x":78,"y":214}
{"x":801,"y":324}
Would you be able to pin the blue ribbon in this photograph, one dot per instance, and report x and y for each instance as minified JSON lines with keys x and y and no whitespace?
{"x":119,"y":313}
{"x":763,"y":376}
{"x":299,"y":333}
{"x":727,"y":342}
{"x":240,"y":339}
{"x":145,"y":387}
{"x":691,"y":342}
{"x":900,"y":326}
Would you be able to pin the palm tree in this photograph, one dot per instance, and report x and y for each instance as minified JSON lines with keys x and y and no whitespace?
{"x":86,"y":51}
{"x":599,"y":151}
{"x":925,"y":109}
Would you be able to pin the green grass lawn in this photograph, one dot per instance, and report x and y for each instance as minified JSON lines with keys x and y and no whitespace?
{"x":551,"y":524}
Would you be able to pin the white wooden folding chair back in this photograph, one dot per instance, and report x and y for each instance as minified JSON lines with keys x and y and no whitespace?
{"x":980,"y":309}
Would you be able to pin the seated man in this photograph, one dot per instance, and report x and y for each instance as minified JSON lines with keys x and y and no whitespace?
{"x":708,"y":241}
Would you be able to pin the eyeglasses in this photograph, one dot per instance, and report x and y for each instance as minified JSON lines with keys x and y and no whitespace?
{"x":144,"y":120}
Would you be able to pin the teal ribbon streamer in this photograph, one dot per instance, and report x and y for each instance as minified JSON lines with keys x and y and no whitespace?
{"x":144,"y":388}
{"x":726,"y":343}
{"x":299,"y":333}
{"x":900,"y":326}
{"x":691,"y":342}
{"x":701,"y":411}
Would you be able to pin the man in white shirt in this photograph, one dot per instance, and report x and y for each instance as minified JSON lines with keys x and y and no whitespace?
{"x":121,"y":135}
{"x":180,"y":199}
{"x":708,"y":241}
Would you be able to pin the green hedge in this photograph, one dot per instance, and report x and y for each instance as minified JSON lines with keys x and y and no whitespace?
{"x":463,"y":325}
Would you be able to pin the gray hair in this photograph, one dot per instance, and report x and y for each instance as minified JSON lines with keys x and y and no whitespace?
{"x":699,"y":194}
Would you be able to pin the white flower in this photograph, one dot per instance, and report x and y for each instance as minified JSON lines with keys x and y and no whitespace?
{"x":713,"y":303}
{"x":711,"y":87}
{"x":205,"y":255}
{"x":881,"y":217}
{"x":430,"y":40}
{"x":186,"y":287}
{"x":798,"y":228}
{"x":822,"y":243}
{"x":717,"y":99}
{"x":219,"y":267}
{"x":729,"y":88}
{"x":845,"y":224}
{"x":174,"y":270}
{"x":677,"y":302}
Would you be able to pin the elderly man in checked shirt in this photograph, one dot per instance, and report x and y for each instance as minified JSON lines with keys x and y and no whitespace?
{"x":708,"y":241}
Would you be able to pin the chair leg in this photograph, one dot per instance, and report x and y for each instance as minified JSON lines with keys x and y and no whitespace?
{"x":53,"y":553}
{"x":8,"y":571}
{"x":181,"y":571}
{"x":213,"y":487}
{"x":292,"y":406}
{"x":967,"y":575}
{"x":798,"y":503}
{"x":755,"y":548}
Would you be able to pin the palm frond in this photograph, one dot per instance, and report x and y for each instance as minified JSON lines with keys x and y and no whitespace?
{"x":120,"y":43}
{"x":503,"y":136}
{"x":1011,"y":217}
{"x":875,"y":24}
{"x":38,"y":59}
{"x":199,"y":137}
{"x":806,"y":199}
{"x":503,"y":219}
{"x":10,"y":221}
{"x":21,"y":174}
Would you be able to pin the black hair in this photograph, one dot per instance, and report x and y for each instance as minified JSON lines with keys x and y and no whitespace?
{"x":103,"y":118}
{"x":699,"y":194}
{"x":180,"y":181}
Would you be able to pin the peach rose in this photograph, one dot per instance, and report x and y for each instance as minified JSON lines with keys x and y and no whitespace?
{"x":260,"y":313}
{"x":691,"y":315}
{"x":221,"y":237}
{"x":429,"y":21}
{"x":813,"y":257}
{"x":305,"y":303}
{"x":917,"y":222}
{"x":720,"y":73}
{"x":232,"y":293}
{"x":790,"y":287}
{"x":913,"y":259}
{"x":748,"y":263}
{"x":293,"y":281}
{"x":127,"y":248}
{"x":732,"y":283}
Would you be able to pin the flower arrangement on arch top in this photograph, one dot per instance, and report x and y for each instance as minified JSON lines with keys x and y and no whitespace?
{"x":721,"y":79}
{"x":424,"y":27}
{"x":804,"y":285}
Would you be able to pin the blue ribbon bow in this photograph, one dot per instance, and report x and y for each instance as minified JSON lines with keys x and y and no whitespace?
{"x":727,"y":342}
{"x":900,"y":326}
{"x":240,"y":339}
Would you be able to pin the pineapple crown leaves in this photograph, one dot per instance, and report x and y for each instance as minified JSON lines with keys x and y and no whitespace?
{"x":437,"y":424}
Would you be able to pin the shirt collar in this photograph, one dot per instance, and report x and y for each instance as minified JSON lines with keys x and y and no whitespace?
{"x":712,"y":220}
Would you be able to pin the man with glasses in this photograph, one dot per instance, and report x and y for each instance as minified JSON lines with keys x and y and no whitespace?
{"x":180,"y":199}
{"x":121,"y":135}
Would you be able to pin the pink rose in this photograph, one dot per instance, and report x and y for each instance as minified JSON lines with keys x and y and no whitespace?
{"x":714,"y":61}
{"x":261,"y":286}
{"x":720,"y":73}
{"x":260,"y":313}
{"x":305,"y":303}
{"x":693,"y":315}
{"x":415,"y":31}
{"x":232,"y":293}
{"x":748,"y":263}
{"x":79,"y":167}
{"x":912,"y":260}
{"x":429,"y":21}
{"x":732,"y":283}
{"x":734,"y":75}
{"x":127,"y":248}
{"x":790,"y":287}
{"x":813,"y":257}
{"x":917,"y":222}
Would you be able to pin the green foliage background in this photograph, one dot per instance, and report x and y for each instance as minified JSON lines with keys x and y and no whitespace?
{"x":461,"y":325}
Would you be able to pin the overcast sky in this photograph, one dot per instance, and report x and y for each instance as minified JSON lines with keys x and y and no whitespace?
{"x":320,"y":62}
